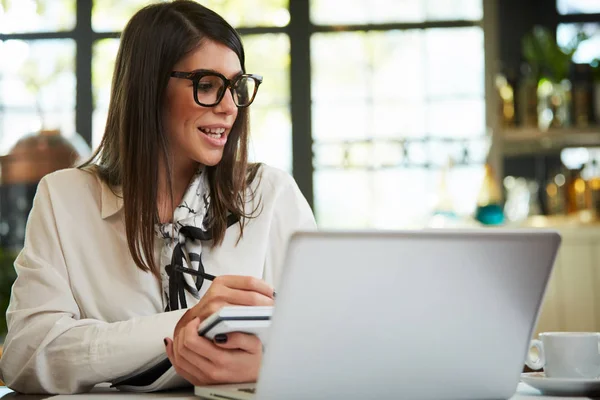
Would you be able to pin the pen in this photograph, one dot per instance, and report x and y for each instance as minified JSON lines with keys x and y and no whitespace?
{"x":203,"y":275}
{"x":194,"y":272}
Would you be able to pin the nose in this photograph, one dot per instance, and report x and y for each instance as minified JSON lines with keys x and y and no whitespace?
{"x":227,"y":105}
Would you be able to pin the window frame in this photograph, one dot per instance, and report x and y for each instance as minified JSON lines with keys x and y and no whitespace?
{"x":300,"y":30}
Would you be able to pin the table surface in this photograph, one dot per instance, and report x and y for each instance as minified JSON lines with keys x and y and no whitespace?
{"x":524,"y":392}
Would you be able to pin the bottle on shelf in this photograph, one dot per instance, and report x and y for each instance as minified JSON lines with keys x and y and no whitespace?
{"x":578,"y":196}
{"x":554,"y":104}
{"x":582,"y":84}
{"x":507,"y":101}
{"x":593,"y":181}
{"x":526,"y":101}
{"x":555,"y":195}
{"x":489,"y":209}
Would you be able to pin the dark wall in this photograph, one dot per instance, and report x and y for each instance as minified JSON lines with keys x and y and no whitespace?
{"x":516,"y":18}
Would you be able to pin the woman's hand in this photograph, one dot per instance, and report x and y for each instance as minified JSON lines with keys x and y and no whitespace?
{"x":201,"y":361}
{"x":228,"y":290}
{"x":231,"y":358}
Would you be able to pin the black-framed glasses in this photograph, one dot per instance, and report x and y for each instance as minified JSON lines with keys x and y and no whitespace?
{"x":210,"y":87}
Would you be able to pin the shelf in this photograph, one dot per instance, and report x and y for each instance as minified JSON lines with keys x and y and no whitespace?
{"x":531,"y":141}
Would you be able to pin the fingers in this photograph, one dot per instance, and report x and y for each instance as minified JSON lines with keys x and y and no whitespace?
{"x":228,"y":290}
{"x":248,"y":283}
{"x":193,"y":377}
{"x":201,"y":361}
{"x":188,"y":341}
{"x":239,"y":341}
{"x":196,"y":349}
{"x":187,"y":355}
{"x":210,"y":304}
{"x":246,"y":298}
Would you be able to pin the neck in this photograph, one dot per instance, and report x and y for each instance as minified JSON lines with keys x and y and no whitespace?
{"x":182,"y":173}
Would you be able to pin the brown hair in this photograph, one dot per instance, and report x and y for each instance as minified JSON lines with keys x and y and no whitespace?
{"x":154,"y":40}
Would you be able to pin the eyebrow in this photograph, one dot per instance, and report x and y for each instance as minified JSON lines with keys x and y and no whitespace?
{"x":217,"y":72}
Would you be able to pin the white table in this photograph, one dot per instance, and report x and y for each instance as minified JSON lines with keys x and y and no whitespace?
{"x":524,"y":392}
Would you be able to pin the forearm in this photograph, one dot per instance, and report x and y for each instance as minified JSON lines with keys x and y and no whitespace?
{"x":55,"y":353}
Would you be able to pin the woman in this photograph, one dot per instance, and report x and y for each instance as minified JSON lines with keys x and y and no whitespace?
{"x":119,"y":253}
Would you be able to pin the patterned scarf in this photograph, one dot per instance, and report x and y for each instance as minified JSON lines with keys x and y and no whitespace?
{"x":181,"y":269}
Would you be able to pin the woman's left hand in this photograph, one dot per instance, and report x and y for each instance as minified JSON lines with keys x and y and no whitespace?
{"x":204,"y":362}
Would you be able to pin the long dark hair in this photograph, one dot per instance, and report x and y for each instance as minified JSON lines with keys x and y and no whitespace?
{"x":154,"y":40}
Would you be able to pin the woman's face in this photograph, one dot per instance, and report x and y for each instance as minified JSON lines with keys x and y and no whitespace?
{"x":198,"y":134}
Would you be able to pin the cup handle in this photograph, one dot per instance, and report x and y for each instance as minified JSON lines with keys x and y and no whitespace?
{"x":539,"y":362}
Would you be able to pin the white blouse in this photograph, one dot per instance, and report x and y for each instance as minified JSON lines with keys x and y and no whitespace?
{"x":81,"y":312}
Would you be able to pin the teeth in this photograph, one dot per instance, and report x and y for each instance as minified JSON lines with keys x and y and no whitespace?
{"x":215,"y":131}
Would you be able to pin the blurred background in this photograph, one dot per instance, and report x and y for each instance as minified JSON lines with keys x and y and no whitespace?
{"x":390,"y":114}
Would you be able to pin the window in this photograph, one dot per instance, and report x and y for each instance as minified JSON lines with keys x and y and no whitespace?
{"x":40,"y":72}
{"x":566,"y":7}
{"x":380,"y":89}
{"x":24,"y":16}
{"x":329,"y":12}
{"x":588,"y":49}
{"x":587,"y":22}
{"x":388,"y":104}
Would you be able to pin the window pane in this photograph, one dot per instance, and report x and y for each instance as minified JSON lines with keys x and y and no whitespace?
{"x":335,"y":79}
{"x":453,"y":70}
{"x":454,"y":9}
{"x":393,"y":84}
{"x":103,"y":63}
{"x":271,"y":128}
{"x":384,"y":199}
{"x":21,"y":16}
{"x":354,"y":210}
{"x":390,"y":198}
{"x":330,"y":121}
{"x":324,"y":12}
{"x":449,"y":118}
{"x":37,"y":88}
{"x":112,"y":15}
{"x":389,"y":111}
{"x":589,"y":49}
{"x":249,"y":13}
{"x":578,"y":6}
{"x":266,"y":55}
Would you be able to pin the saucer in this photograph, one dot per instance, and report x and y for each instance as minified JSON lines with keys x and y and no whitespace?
{"x":561,"y":386}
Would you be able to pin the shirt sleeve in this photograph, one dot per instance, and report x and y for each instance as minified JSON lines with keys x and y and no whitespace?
{"x":291,"y":213}
{"x":49,"y":347}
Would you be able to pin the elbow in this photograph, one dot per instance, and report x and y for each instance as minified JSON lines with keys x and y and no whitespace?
{"x":18,"y":377}
{"x":31,"y":377}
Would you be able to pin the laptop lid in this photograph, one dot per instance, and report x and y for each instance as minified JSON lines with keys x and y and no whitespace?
{"x":416,"y":314}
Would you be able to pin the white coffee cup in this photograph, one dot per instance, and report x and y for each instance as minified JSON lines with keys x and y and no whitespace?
{"x":566,"y":354}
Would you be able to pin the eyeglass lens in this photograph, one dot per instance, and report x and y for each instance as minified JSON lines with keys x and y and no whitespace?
{"x":210,"y":90}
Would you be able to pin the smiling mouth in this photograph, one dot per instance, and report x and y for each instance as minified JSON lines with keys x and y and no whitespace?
{"x":215,"y":133}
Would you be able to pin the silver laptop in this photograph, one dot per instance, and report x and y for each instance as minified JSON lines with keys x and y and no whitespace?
{"x":431,"y":314}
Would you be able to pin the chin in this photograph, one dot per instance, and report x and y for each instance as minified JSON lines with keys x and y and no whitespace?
{"x":210,"y":161}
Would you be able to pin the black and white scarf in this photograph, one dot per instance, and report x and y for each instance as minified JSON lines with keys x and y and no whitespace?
{"x":181,"y":269}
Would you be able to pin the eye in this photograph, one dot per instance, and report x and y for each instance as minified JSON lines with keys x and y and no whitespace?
{"x":209,"y":84}
{"x":205,"y":86}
